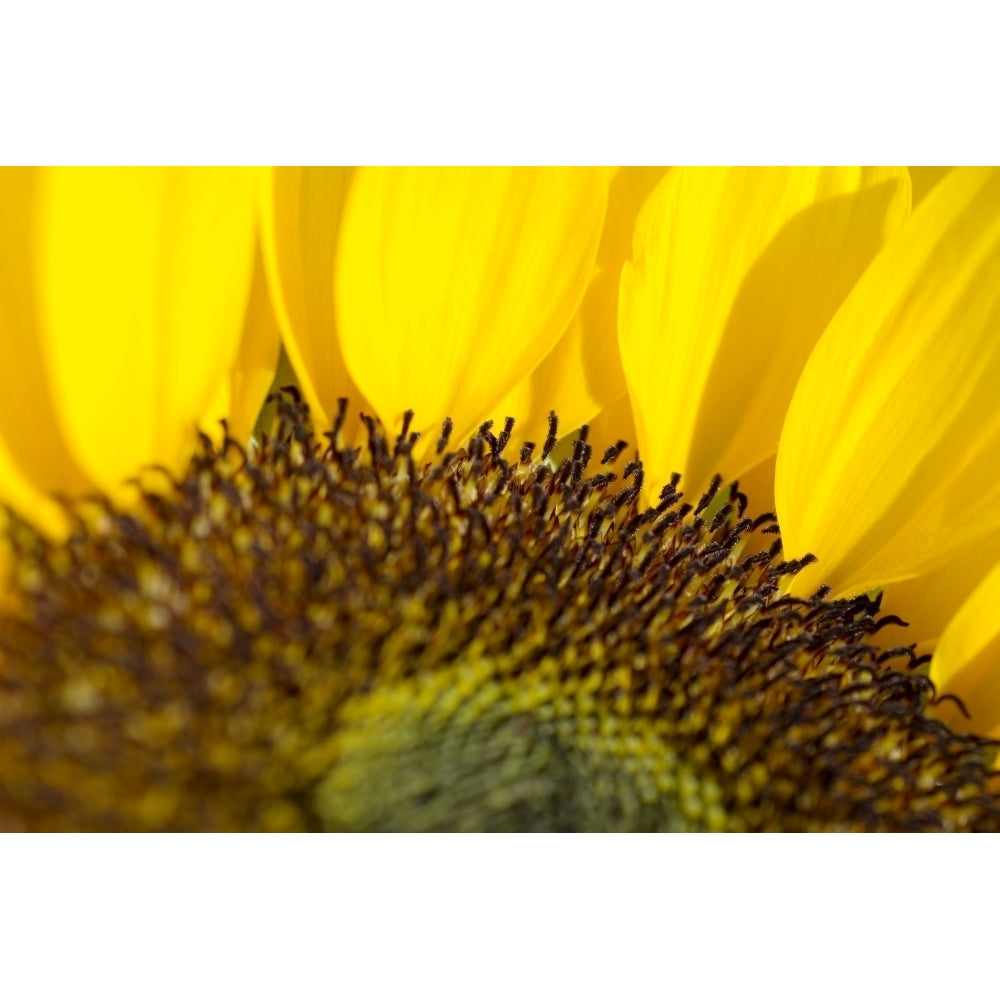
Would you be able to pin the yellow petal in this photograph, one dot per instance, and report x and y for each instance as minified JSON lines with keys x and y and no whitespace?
{"x":302,"y":214}
{"x":923,"y":179}
{"x":242,"y":391}
{"x":34,"y":459}
{"x":887,"y":469}
{"x":607,"y":429}
{"x":615,"y":423}
{"x":928,"y":601}
{"x":143,"y":276}
{"x":758,"y":485}
{"x":967,"y":660}
{"x":582,"y":374}
{"x":736,"y":273}
{"x":452,"y":284}
{"x":31,"y":502}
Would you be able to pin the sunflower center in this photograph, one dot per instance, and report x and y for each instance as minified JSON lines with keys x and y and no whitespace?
{"x":329,"y":637}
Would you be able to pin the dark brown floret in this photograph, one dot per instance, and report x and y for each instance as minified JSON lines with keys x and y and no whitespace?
{"x":326,"y":637}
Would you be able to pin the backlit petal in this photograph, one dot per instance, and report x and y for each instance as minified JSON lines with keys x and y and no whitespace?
{"x":243,"y":389}
{"x":611,"y":426}
{"x":967,"y":661}
{"x":143,"y":277}
{"x":735,"y":274}
{"x":452,"y":284}
{"x":583,"y":373}
{"x":758,"y":486}
{"x":922,"y":179}
{"x":928,"y":601}
{"x":302,"y":214}
{"x":887,"y":469}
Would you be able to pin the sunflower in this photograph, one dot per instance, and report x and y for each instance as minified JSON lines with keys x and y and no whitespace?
{"x":411,"y":605}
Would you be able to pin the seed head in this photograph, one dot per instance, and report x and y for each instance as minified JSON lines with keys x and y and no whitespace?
{"x":329,"y":637}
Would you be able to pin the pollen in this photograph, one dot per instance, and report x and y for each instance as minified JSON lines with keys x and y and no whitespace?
{"x":321,"y":636}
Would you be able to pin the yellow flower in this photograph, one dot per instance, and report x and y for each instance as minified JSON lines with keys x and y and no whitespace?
{"x":123,"y":305}
{"x":513,"y":644}
{"x":735,"y":280}
{"x":887,"y":468}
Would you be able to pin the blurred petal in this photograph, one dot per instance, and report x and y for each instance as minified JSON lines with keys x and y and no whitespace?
{"x":887,"y":469}
{"x":34,"y":459}
{"x":243,"y":389}
{"x":738,"y":271}
{"x":143,"y":276}
{"x":923,"y":179}
{"x":967,"y":661}
{"x":301,"y":225}
{"x":452,"y":284}
{"x":583,"y":373}
{"x":31,"y":501}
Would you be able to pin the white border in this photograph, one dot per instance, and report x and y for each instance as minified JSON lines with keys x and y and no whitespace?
{"x":504,"y":917}
{"x":473,"y":82}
